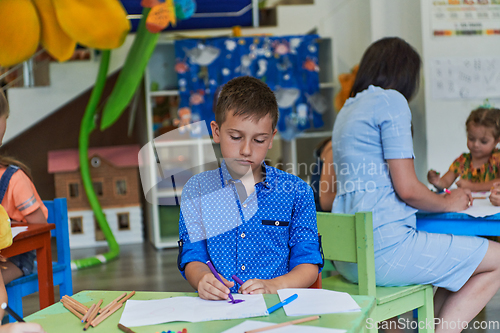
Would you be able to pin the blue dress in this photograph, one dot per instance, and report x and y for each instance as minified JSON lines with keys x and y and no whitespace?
{"x":372,"y":127}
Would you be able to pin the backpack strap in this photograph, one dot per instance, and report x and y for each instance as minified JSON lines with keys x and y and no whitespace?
{"x":4,"y":181}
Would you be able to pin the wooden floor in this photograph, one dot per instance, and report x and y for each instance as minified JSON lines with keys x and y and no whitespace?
{"x":141,"y":267}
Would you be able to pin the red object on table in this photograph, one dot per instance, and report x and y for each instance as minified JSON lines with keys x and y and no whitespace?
{"x":37,"y":237}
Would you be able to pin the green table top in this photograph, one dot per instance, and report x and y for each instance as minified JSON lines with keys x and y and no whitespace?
{"x":56,"y":318}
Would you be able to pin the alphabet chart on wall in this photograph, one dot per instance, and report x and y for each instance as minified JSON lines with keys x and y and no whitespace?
{"x":463,"y":78}
{"x":465,"y":17}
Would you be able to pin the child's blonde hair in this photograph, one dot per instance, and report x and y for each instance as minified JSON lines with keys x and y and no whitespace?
{"x":487,"y":117}
{"x":4,"y":160}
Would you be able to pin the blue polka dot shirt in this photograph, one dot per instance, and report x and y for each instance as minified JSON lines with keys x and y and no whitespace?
{"x":265,"y":236}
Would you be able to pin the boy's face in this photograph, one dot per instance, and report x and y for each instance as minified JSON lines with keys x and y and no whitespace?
{"x":244,"y":143}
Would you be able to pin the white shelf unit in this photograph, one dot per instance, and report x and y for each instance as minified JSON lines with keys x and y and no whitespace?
{"x":298,"y":150}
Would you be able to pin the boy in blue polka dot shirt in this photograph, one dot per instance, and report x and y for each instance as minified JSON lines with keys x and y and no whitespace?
{"x":249,"y":219}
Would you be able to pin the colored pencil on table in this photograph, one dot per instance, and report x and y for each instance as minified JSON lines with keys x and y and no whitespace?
{"x":292,"y":322}
{"x":75,"y":307}
{"x":125,"y":329}
{"x":73,"y":311}
{"x":103,"y":312}
{"x":12,"y":313}
{"x":71,"y":299}
{"x":127,"y":297}
{"x":101,"y":318}
{"x":75,"y":304}
{"x":92,"y":315}
{"x":84,"y":319}
{"x":113,"y":302}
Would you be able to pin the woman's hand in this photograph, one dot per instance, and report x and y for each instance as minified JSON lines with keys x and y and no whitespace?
{"x":458,"y":200}
{"x":257,"y":286}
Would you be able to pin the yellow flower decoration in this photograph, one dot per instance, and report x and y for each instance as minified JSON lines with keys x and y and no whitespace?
{"x":58,"y":25}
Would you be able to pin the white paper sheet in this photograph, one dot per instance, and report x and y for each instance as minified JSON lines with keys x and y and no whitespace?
{"x":481,"y":208}
{"x":481,"y":195}
{"x":17,"y":230}
{"x":248,"y":325}
{"x":192,"y":309}
{"x":317,"y":301}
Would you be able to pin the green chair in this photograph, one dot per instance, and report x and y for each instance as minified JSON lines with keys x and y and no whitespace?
{"x":349,"y":238}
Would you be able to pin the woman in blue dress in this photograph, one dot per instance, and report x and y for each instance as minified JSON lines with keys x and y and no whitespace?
{"x":373,"y":154}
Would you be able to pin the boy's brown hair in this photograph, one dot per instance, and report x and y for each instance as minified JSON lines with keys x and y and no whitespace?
{"x":248,"y":97}
{"x":487,"y":117}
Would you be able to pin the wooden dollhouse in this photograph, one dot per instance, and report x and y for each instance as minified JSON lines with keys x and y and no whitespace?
{"x":115,"y":178}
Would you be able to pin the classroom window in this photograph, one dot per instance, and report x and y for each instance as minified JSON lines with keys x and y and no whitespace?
{"x":76,"y":225}
{"x":99,"y":235}
{"x":123,"y":221}
{"x":121,"y":187}
{"x":73,"y":190}
{"x":97,"y":188}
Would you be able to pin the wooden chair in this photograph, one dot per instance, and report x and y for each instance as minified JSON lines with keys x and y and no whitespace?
{"x":26,"y":285}
{"x":349,"y":238}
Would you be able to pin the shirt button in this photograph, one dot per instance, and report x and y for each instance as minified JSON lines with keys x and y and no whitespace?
{"x":242,"y":235}
{"x":242,"y":267}
{"x":244,"y":205}
{"x":277,"y":223}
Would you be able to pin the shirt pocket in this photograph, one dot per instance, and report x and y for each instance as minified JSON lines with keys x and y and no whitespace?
{"x":275,"y":235}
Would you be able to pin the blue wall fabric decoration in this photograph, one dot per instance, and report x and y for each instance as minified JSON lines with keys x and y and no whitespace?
{"x":287,"y":64}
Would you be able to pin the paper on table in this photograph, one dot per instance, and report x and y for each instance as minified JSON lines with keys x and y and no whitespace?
{"x":481,"y":208}
{"x":192,"y":309}
{"x":317,"y":301}
{"x":481,"y":195}
{"x":17,"y":230}
{"x":248,"y":325}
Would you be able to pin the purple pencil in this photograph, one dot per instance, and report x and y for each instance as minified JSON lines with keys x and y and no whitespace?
{"x":217,"y":276}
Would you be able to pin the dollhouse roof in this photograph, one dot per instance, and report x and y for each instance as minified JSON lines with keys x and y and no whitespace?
{"x":67,"y":160}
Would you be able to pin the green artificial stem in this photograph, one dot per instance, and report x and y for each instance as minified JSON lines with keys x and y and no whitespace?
{"x":87,"y":126}
{"x":131,"y":74}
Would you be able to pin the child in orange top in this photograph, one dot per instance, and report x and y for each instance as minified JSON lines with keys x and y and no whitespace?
{"x":479,"y":168}
{"x":25,"y":210}
{"x":20,"y":200}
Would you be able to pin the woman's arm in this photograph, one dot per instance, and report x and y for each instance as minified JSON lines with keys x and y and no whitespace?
{"x":417,"y":195}
{"x":327,"y":185}
{"x":36,"y":217}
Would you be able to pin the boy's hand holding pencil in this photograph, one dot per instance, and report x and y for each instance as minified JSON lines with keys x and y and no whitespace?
{"x":203,"y":280}
{"x":257,"y":286}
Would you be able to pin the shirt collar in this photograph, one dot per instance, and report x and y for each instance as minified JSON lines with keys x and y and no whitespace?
{"x":269,"y":179}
